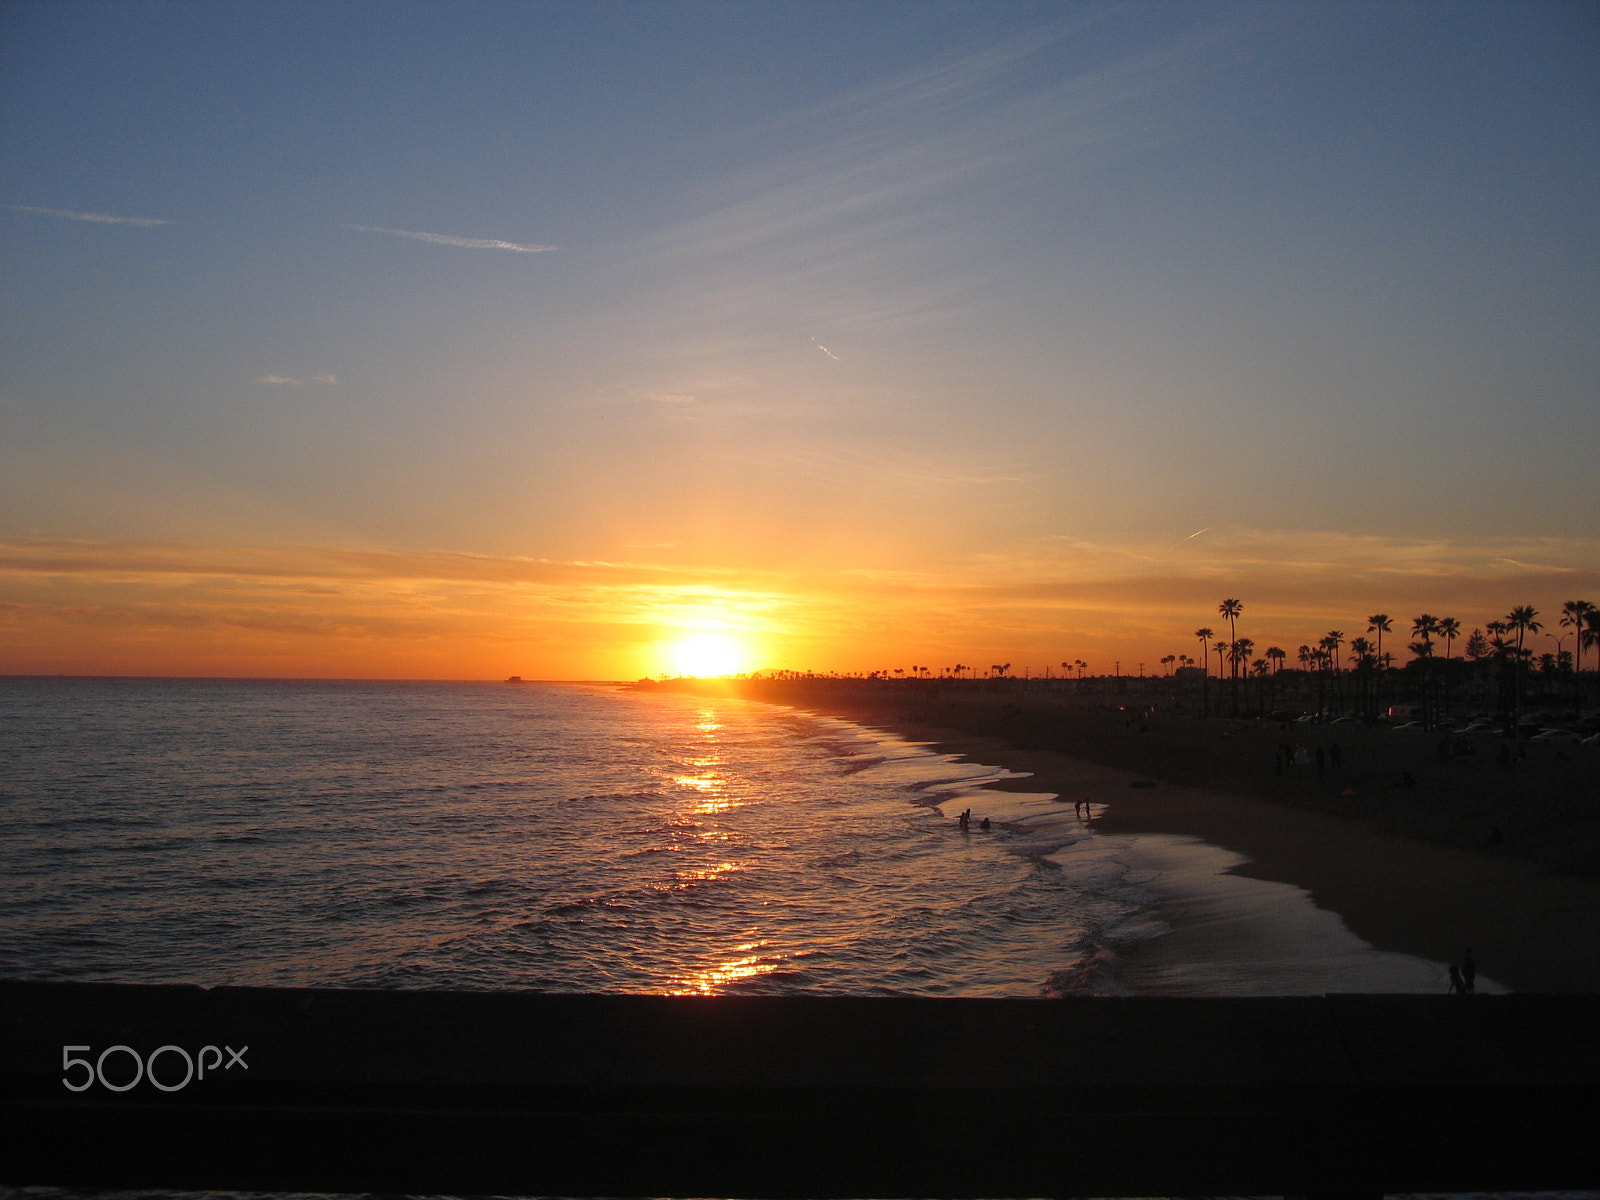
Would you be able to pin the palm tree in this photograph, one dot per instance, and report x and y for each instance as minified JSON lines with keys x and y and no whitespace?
{"x":1589,"y":635}
{"x":1523,"y":619}
{"x":1205,"y":633}
{"x":1362,"y":657}
{"x":1331,"y":644}
{"x":1230,"y":610}
{"x":1425,"y":627}
{"x":1319,"y":660}
{"x":1239,"y":660}
{"x":1277,"y":654}
{"x":1380,"y":623}
{"x":1449,"y":630}
{"x":1574,"y":613}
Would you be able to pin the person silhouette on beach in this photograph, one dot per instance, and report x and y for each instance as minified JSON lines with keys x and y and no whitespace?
{"x":1082,"y":810}
{"x":983,"y":824}
{"x":966,"y":820}
{"x":1469,"y":972}
{"x":1458,"y":986}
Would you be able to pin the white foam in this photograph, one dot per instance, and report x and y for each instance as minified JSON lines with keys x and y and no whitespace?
{"x":1232,"y":935}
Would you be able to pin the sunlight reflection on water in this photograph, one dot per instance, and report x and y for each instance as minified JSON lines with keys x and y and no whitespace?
{"x":567,"y":838}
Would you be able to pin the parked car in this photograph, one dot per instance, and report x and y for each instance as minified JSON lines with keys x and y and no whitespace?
{"x":1345,"y":721}
{"x":1556,"y":735}
{"x":1411,"y":727}
{"x":1481,"y":726}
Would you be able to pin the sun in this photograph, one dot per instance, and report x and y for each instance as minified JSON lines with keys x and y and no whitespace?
{"x":707,"y":654}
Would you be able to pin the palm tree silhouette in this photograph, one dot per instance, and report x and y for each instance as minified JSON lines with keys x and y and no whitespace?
{"x":1523,"y":619}
{"x":1230,"y":610}
{"x":1381,"y":623}
{"x":1273,"y":656}
{"x":1361,"y":655}
{"x":1239,"y":660}
{"x":1205,"y":634}
{"x":1276,"y":654}
{"x":1449,"y":630}
{"x":1425,"y":627}
{"x":1574,"y":613}
{"x":1331,"y":644}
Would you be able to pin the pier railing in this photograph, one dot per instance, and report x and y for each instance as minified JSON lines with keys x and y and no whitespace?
{"x":523,"y":1093}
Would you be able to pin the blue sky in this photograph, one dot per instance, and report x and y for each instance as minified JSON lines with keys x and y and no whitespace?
{"x":928,"y":294}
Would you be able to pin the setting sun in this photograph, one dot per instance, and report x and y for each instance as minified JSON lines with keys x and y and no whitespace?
{"x":707,"y":654}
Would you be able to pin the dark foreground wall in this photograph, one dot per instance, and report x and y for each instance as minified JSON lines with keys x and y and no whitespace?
{"x":514,"y":1093}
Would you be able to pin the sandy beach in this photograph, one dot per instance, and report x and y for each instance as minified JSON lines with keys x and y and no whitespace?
{"x":1468,"y":853}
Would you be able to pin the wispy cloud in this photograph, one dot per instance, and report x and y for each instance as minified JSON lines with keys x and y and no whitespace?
{"x":447,"y":239}
{"x":326,"y":378}
{"x":97,"y":218}
{"x":861,"y":215}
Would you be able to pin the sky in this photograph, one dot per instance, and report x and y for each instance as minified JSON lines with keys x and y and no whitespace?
{"x":460,"y":340}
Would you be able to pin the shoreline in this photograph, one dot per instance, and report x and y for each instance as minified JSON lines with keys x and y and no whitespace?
{"x":1532,"y":926}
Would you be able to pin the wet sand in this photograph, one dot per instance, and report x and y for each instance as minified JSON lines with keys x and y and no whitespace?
{"x":1413,"y":869}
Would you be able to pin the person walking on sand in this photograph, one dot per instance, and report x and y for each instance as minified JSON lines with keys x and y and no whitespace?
{"x":1469,"y":973}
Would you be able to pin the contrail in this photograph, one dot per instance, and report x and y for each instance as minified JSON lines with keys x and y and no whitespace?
{"x":98,"y":218}
{"x":825,"y":350}
{"x":1196,"y":533}
{"x":447,"y":239}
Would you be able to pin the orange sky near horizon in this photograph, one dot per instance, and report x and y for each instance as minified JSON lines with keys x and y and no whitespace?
{"x":171,"y":609}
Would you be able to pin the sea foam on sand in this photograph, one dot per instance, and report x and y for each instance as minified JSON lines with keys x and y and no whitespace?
{"x":1209,"y":932}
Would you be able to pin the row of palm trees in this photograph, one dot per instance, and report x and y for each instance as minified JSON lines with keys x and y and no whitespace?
{"x":1503,"y":640}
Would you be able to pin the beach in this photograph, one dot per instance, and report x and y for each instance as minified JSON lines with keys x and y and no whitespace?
{"x":1468,"y":853}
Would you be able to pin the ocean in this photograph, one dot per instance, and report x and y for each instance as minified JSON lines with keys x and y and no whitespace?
{"x":588,"y":838}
